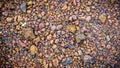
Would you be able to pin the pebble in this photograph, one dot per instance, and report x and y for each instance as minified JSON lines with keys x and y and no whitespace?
{"x":89,"y":3}
{"x":28,"y":33}
{"x":87,"y":58}
{"x":29,"y":3}
{"x":66,"y":46}
{"x":88,"y":18}
{"x":41,"y":25}
{"x":108,"y":38}
{"x":21,"y":43}
{"x":67,"y":22}
{"x":59,"y":27}
{"x":55,"y":62}
{"x":80,"y":52}
{"x":108,"y":46}
{"x":64,"y":7}
{"x":18,"y":27}
{"x":68,"y":61}
{"x":36,"y":40}
{"x":33,"y":50}
{"x":23,"y":7}
{"x":102,"y":18}
{"x":118,"y":17}
{"x":5,"y":13}
{"x":49,"y":36}
{"x":45,"y":64}
{"x":101,"y":58}
{"x":53,"y":27}
{"x":19,"y":19}
{"x":54,"y":46}
{"x":80,"y":37}
{"x":73,"y":17}
{"x":47,"y":24}
{"x":9,"y":19}
{"x":71,"y":28}
{"x":88,"y":9}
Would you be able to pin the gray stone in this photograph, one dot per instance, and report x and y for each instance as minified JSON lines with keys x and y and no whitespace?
{"x":59,"y":27}
{"x":53,"y":27}
{"x":108,"y":38}
{"x":87,"y":58}
{"x":118,"y":17}
{"x":80,"y":37}
{"x":23,"y":7}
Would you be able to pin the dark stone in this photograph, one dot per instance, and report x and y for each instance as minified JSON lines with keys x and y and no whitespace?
{"x":66,"y":46}
{"x":44,"y":8}
{"x":118,"y":17}
{"x":33,"y":56}
{"x":4,"y":40}
{"x":67,"y":22}
{"x":68,"y":62}
{"x":107,"y":32}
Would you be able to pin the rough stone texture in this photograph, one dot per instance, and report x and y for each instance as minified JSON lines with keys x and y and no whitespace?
{"x":28,"y":33}
{"x":59,"y":34}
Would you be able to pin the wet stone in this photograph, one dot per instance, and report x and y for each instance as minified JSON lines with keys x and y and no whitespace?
{"x":23,"y":7}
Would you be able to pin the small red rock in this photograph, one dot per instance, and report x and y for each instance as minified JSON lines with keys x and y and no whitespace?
{"x":41,"y":25}
{"x":21,"y":43}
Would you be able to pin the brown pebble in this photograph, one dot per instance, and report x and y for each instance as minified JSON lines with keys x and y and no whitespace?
{"x":33,"y":49}
{"x":55,"y":62}
{"x":9,"y":19}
